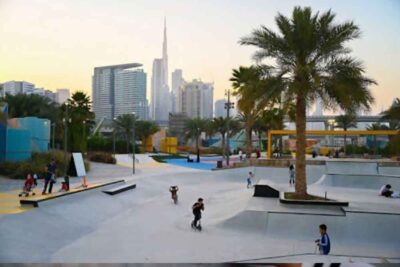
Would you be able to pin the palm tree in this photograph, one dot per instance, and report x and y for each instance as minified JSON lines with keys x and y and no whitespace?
{"x":209,"y":128}
{"x":193,"y":129}
{"x":376,"y":127}
{"x":345,"y":122}
{"x":144,"y":129}
{"x":393,"y":114}
{"x":125,"y":124}
{"x":220,"y":127}
{"x":310,"y":57}
{"x":247,"y":83}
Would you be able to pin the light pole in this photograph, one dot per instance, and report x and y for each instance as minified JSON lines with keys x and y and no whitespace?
{"x":114,"y":136}
{"x":197,"y":144}
{"x":228,"y":106}
{"x":66,"y":121}
{"x":134,"y":141}
{"x":53,"y":131}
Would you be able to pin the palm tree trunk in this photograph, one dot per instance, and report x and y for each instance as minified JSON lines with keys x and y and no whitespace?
{"x":248,"y":143}
{"x":197,"y":147}
{"x":301,"y":181}
{"x":259,"y":140}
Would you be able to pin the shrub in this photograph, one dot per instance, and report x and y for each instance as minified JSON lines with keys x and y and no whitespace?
{"x":37,"y":164}
{"x":102,"y":157}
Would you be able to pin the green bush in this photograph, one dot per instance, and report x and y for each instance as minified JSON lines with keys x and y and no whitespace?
{"x":102,"y":157}
{"x":101,"y":144}
{"x":38,"y":163}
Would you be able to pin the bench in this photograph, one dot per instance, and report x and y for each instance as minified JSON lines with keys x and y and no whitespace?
{"x":119,"y":189}
{"x":36,"y":200}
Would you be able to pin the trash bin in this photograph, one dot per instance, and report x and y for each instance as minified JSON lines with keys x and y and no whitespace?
{"x":219,"y":164}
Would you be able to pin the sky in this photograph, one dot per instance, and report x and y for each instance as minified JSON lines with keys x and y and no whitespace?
{"x":57,"y":43}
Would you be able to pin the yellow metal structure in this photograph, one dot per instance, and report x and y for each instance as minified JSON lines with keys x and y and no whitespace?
{"x":147,"y":144}
{"x":169,"y":145}
{"x":348,"y":133}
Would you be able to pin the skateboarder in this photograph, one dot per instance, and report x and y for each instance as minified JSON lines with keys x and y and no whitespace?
{"x":197,"y":208}
{"x":324,"y":243}
{"x":291,"y":174}
{"x":251,"y":176}
{"x":174,"y":193}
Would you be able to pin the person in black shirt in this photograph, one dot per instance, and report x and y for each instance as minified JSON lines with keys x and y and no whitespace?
{"x":50,"y":176}
{"x":197,"y":208}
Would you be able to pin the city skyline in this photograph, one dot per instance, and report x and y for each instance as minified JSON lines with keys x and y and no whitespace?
{"x":61,"y":50}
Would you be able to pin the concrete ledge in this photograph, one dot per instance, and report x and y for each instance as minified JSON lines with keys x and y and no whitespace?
{"x":35,"y":201}
{"x":119,"y":189}
{"x":284,"y":200}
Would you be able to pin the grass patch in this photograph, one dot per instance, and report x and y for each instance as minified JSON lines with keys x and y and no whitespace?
{"x":293,"y":196}
{"x":162,"y":158}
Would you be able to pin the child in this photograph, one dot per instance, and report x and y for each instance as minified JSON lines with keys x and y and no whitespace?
{"x":291,"y":174}
{"x":324,"y":243}
{"x":35,"y":178}
{"x":27,"y":186}
{"x":197,"y":208}
{"x":174,"y":193}
{"x":251,"y":175}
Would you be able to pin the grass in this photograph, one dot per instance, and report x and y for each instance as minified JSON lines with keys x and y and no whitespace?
{"x":293,"y":196}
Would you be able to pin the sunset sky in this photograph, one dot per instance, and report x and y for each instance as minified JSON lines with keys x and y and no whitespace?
{"x":57,"y":43}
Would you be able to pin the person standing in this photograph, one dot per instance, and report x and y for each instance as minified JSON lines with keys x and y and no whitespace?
{"x":197,"y":208}
{"x":251,"y":176}
{"x":174,"y":193}
{"x":50,"y":176}
{"x":324,"y":243}
{"x":292,"y":174}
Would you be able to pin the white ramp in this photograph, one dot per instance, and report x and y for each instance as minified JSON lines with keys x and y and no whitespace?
{"x":373,"y":182}
{"x":352,"y":167}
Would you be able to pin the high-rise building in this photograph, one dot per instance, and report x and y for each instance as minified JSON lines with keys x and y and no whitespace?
{"x":130,"y":93}
{"x":18,"y":87}
{"x":220,"y":110}
{"x":197,"y":99}
{"x":104,"y":89}
{"x":177,"y":82}
{"x":160,"y":96}
{"x":62,"y":95}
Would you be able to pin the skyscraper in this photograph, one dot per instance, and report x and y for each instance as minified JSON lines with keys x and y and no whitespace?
{"x":62,"y":95}
{"x":197,"y":99}
{"x":176,"y":81}
{"x":118,"y":89}
{"x":160,"y":103}
{"x":220,"y":110}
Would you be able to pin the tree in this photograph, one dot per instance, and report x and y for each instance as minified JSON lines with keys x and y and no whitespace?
{"x":393,"y":114}
{"x":81,"y":120}
{"x":144,"y":129}
{"x":209,"y":128}
{"x":309,"y":55}
{"x":345,"y":122}
{"x":193,"y":129}
{"x":247,"y":83}
{"x":125,"y":124}
{"x":376,"y":127}
{"x":271,"y":119}
{"x":220,"y":126}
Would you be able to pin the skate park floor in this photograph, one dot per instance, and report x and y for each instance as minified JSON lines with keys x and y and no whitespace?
{"x":143,"y":225}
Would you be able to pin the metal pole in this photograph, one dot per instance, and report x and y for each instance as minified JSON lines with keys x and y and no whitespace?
{"x":114,"y":142}
{"x":133,"y":150}
{"x":227,"y":127}
{"x":53,"y":126}
{"x":65,"y":138}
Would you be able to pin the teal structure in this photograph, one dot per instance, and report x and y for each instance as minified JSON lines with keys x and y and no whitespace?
{"x":19,"y":137}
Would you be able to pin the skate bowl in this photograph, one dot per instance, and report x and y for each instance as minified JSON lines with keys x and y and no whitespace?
{"x":352,"y":167}
{"x":373,"y":182}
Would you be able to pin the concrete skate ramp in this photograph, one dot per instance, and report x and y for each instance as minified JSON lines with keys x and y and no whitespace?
{"x":352,"y":167}
{"x":248,"y":220}
{"x":357,"y":228}
{"x":373,"y":182}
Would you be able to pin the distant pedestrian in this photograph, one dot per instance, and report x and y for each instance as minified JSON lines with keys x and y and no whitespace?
{"x":35,"y":178}
{"x":292,"y":174}
{"x":50,"y":177}
{"x":324,"y":244}
{"x":197,"y":208}
{"x":249,"y":178}
{"x":240,"y":155}
{"x":174,"y":193}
